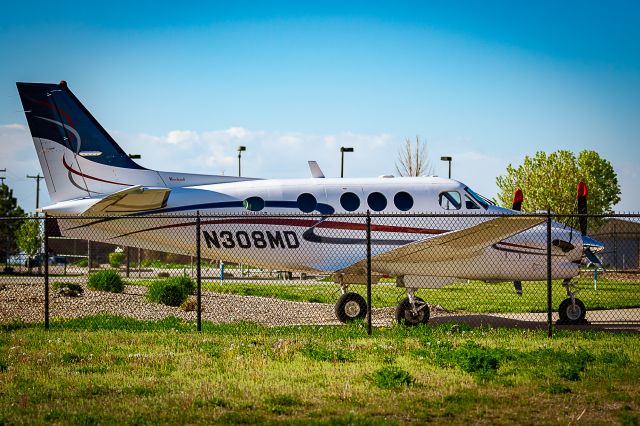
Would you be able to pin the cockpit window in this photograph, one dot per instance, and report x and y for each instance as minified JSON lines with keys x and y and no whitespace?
{"x":450,"y":200}
{"x":469,"y":204}
{"x":484,"y":202}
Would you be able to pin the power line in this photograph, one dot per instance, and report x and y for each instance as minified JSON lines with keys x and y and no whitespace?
{"x":37,"y":178}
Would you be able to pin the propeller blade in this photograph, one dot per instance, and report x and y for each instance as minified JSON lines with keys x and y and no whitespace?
{"x":518,"y":198}
{"x":582,"y":206}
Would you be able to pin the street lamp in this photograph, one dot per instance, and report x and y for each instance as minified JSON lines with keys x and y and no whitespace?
{"x":343,"y":149}
{"x":240,"y":149}
{"x":449,"y":160}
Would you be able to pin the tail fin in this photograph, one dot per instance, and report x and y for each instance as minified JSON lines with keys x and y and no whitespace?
{"x":78,"y":157}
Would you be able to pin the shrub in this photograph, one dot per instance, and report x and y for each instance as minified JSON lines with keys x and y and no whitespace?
{"x":107,"y":280}
{"x":171,"y":291}
{"x":116,"y":259}
{"x":391,"y":377}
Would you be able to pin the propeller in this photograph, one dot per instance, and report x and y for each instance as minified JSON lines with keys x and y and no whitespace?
{"x":582,"y":206}
{"x":518,"y":198}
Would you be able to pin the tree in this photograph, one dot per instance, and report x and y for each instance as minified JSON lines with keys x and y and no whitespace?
{"x":550,"y":182}
{"x":8,"y":209}
{"x":412,"y":158}
{"x":28,"y":238}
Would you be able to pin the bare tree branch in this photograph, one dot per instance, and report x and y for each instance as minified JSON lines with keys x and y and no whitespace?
{"x":412,"y":158}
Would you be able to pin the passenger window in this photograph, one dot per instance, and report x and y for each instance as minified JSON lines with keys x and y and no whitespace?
{"x":469,"y":204}
{"x":254,"y":204}
{"x":350,"y":201}
{"x":377,"y":201}
{"x":450,"y":200}
{"x":307,"y":202}
{"x":403,"y":201}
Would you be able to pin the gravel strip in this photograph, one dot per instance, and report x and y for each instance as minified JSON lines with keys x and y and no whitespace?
{"x":25,"y":302}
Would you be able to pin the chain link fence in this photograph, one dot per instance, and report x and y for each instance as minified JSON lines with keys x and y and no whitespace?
{"x":321,"y":270}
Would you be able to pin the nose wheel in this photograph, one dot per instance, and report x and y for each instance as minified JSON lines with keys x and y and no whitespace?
{"x":571,"y":310}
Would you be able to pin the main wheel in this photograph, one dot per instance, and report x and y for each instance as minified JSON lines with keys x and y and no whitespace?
{"x":351,"y":306}
{"x":405,"y":314}
{"x":572,"y":313}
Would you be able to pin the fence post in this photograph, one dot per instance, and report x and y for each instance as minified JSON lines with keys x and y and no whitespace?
{"x":46,"y":272}
{"x":368,"y":273}
{"x":198,"y":273}
{"x":549,"y":287}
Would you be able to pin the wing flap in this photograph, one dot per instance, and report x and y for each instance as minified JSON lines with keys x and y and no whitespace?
{"x":130,"y":200}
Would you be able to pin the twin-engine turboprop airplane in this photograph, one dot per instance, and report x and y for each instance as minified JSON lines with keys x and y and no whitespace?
{"x":88,"y":174}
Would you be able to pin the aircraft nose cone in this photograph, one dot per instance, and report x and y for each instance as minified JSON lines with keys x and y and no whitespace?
{"x":592,"y":244}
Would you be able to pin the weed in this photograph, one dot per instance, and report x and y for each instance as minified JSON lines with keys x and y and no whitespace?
{"x":71,"y":358}
{"x":282,"y":404}
{"x":318,"y":352}
{"x":391,"y":377}
{"x":557,"y":388}
{"x":627,"y":417}
{"x":107,"y":280}
{"x":616,"y":359}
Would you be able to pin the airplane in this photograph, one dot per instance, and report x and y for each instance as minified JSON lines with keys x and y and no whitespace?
{"x":311,"y":225}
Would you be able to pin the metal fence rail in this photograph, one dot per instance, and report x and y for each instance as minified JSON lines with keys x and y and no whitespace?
{"x":312,"y":270}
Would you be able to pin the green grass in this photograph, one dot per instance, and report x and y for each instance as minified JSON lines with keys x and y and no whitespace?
{"x":476,"y":296}
{"x":110,"y":370}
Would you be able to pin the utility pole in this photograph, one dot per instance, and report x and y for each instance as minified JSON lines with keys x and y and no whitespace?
{"x":2,"y":178}
{"x":37,"y":178}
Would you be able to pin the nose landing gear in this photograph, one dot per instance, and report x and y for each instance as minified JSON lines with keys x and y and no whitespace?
{"x":571,"y":310}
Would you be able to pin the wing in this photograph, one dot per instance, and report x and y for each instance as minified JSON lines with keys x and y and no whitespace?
{"x":130,"y":200}
{"x":453,"y":245}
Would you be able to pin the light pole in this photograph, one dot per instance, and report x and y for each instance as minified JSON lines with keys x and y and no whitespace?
{"x":343,"y":149}
{"x":240,"y":149}
{"x":449,"y":160}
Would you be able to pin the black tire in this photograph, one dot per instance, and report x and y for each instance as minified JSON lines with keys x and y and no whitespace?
{"x":350,"y":307}
{"x":570,"y":313}
{"x":405,"y":315}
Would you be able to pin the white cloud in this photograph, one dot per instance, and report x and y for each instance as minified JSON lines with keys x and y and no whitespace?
{"x":182,"y":136}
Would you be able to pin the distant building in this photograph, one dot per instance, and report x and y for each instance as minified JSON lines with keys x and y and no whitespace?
{"x":622,"y":243}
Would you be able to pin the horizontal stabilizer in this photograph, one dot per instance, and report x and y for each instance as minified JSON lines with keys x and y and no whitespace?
{"x":130,"y":200}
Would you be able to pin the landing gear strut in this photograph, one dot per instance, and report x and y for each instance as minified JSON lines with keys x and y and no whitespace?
{"x":412,"y":310}
{"x":572,"y":311}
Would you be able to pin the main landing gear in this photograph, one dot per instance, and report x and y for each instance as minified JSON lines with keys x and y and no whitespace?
{"x":572,"y":311}
{"x":412,"y":310}
{"x":350,"y":307}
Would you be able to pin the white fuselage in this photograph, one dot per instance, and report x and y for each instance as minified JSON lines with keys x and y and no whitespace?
{"x":279,"y":235}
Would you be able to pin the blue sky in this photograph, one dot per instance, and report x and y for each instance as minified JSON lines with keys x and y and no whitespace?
{"x":184,"y":83}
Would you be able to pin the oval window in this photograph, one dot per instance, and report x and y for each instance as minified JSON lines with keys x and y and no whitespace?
{"x":403,"y":201}
{"x":350,"y":201}
{"x":307,"y":202}
{"x":377,"y":201}
{"x":255,"y":204}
